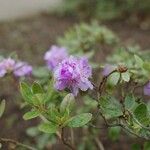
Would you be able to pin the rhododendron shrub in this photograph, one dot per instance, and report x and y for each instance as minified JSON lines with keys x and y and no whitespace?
{"x":57,"y":105}
{"x":54,"y":56}
{"x":67,"y":95}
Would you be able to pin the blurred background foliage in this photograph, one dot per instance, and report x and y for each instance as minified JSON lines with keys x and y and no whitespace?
{"x":106,"y":9}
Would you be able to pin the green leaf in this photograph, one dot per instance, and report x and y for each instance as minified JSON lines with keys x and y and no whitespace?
{"x":30,"y":115}
{"x":147,"y":146}
{"x":142,"y":115}
{"x":2,"y":107}
{"x":136,"y":147}
{"x":41,"y":72}
{"x":126,"y":76}
{"x":113,"y":79}
{"x":130,"y":103}
{"x":36,"y":88}
{"x":32,"y":131}
{"x":48,"y":128}
{"x":110,"y":107}
{"x":139,"y":61}
{"x":114,"y":133}
{"x":38,"y":99}
{"x":79,"y":120}
{"x":67,"y":103}
{"x":26,"y":92}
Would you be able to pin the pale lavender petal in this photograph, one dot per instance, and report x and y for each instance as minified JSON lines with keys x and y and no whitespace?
{"x":22,"y":69}
{"x":147,"y":89}
{"x":54,"y":56}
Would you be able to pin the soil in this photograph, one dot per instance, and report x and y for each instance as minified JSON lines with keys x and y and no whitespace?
{"x":30,"y":38}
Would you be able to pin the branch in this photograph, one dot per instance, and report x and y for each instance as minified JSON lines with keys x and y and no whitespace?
{"x":99,"y":144}
{"x":65,"y":142}
{"x":5,"y":140}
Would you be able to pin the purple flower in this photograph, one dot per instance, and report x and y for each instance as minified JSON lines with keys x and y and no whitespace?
{"x":108,"y":69}
{"x":73,"y":73}
{"x":55,"y":56}
{"x":2,"y":70}
{"x":22,"y":69}
{"x":147,"y":89}
{"x":6,"y":66}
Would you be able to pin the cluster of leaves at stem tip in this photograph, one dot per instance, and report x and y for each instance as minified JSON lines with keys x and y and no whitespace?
{"x":55,"y":117}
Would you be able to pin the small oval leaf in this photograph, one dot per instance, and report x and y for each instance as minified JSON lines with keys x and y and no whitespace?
{"x":48,"y":128}
{"x":30,"y":115}
{"x":67,"y":103}
{"x":79,"y":120}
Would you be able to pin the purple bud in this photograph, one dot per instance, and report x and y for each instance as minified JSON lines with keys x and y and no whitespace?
{"x":55,"y":56}
{"x":73,"y":73}
{"x":147,"y":89}
{"x":22,"y":69}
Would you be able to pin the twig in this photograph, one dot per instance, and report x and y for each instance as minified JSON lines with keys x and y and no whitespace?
{"x":5,"y":140}
{"x":99,"y":144}
{"x":65,"y":142}
{"x":72,"y":137}
{"x":103,"y":82}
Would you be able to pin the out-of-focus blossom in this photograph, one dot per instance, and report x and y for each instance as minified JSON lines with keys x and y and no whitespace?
{"x":108,"y":69}
{"x":147,"y":89}
{"x":22,"y":69}
{"x":54,"y":56}
{"x":73,"y":73}
{"x":2,"y":70}
{"x":6,"y":66}
{"x":19,"y":68}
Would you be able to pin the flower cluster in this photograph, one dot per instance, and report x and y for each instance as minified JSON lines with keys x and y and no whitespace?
{"x":54,"y":56}
{"x":18,"y":68}
{"x":73,"y":73}
{"x":69,"y":72}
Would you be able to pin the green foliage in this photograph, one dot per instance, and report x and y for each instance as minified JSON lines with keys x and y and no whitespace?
{"x":79,"y":120}
{"x":26,"y":92}
{"x":146,"y":145}
{"x":42,"y":140}
{"x":110,"y":107}
{"x":130,"y":102}
{"x":142,"y":115}
{"x":114,"y":133}
{"x":104,"y":9}
{"x":85,"y":38}
{"x":48,"y":128}
{"x":54,"y":116}
{"x":136,"y":147}
{"x":2,"y":107}
{"x":134,"y":60}
{"x":67,"y":103}
{"x":31,"y":115}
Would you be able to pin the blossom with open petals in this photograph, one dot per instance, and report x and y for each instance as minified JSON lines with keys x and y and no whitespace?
{"x":55,"y":56}
{"x":73,"y":73}
{"x":22,"y":69}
